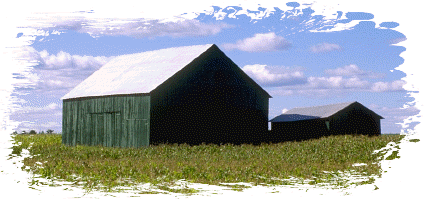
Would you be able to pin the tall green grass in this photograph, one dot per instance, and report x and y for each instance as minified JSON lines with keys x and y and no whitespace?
{"x":105,"y":168}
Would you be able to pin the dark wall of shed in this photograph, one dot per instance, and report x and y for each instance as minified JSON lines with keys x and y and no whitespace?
{"x":114,"y":121}
{"x":355,"y":120}
{"x":209,"y":101}
{"x":297,"y":130}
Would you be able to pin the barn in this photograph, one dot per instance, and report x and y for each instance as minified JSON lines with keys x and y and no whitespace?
{"x":314,"y":122}
{"x":191,"y":94}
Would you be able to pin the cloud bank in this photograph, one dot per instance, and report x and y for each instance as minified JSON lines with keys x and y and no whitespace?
{"x":332,"y":86}
{"x":351,"y":78}
{"x":267,"y":78}
{"x":353,"y":70}
{"x":51,"y":77}
{"x":61,"y":72}
{"x":267,"y":42}
{"x":137,"y":28}
{"x":388,"y":86}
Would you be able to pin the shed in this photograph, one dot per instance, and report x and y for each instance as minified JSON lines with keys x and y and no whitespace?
{"x":314,"y":122}
{"x":191,"y":94}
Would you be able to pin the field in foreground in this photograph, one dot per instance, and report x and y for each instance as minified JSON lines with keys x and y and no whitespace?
{"x":104,"y":168}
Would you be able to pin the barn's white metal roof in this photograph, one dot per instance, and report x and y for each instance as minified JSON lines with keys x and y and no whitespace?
{"x":137,"y":73}
{"x":313,"y":112}
{"x":320,"y":111}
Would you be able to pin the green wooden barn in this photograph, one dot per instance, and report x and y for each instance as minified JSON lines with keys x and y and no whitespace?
{"x":192,"y":94}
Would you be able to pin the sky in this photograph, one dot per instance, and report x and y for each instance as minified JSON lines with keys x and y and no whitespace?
{"x":30,"y":91}
{"x":300,"y":58}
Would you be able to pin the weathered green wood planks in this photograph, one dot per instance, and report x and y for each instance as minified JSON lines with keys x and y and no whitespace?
{"x":114,"y":121}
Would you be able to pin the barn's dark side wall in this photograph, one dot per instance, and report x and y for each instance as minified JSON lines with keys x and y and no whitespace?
{"x":209,"y":101}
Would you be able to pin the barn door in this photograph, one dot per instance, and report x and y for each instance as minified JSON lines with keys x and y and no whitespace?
{"x":105,"y":129}
{"x":96,"y":133}
{"x":109,"y":129}
{"x":137,"y":132}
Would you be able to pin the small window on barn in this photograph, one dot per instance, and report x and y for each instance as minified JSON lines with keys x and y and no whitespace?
{"x":327,"y":124}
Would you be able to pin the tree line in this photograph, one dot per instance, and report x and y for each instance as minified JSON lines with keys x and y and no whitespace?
{"x":49,"y":131}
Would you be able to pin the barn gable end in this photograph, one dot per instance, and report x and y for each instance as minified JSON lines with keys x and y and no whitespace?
{"x":211,"y":100}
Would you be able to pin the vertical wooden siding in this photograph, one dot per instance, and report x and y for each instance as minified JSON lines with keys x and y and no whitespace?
{"x":115,"y":121}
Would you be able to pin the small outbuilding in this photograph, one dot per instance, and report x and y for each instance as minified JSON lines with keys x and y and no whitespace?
{"x":191,"y":94}
{"x":314,"y":122}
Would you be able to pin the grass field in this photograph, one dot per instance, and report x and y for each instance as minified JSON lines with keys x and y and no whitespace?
{"x":93,"y":167}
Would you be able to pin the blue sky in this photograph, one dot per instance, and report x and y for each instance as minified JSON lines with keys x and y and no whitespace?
{"x":299,"y":57}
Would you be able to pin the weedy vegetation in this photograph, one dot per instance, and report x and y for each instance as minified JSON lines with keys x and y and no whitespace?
{"x":105,"y":168}
{"x":414,"y":140}
{"x":393,"y":156}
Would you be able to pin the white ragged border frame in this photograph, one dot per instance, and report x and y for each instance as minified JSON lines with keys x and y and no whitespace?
{"x":404,"y":176}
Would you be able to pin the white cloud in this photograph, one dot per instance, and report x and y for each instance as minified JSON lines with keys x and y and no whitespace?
{"x":155,"y":28}
{"x":42,"y":117}
{"x":38,"y":126}
{"x":394,"y":111}
{"x":38,"y":110}
{"x":388,"y":86}
{"x":284,"y":110}
{"x":66,"y":60}
{"x":139,"y":28}
{"x":336,"y":85}
{"x":57,"y":74}
{"x":394,"y":116}
{"x":324,"y":47}
{"x":320,"y":93}
{"x":337,"y":82}
{"x":266,"y":78}
{"x":60,"y":61}
{"x":345,"y":71}
{"x":353,"y":70}
{"x":260,"y":43}
{"x":28,"y":54}
{"x":355,"y":82}
{"x":324,"y":82}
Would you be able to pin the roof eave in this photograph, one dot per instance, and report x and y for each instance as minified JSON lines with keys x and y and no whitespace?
{"x":102,"y":96}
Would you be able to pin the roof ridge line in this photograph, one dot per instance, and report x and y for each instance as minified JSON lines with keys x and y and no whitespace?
{"x":326,"y":105}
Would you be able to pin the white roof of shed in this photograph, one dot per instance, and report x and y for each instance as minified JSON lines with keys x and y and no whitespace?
{"x":319,"y":111}
{"x":137,"y":73}
{"x":313,"y":112}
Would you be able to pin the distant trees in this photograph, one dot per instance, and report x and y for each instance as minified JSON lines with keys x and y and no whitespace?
{"x":33,"y":132}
